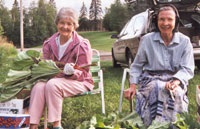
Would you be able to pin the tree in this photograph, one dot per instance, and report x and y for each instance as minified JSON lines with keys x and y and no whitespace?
{"x":116,"y":17}
{"x":83,"y":18}
{"x":1,"y":29}
{"x":83,"y":12}
{"x":106,"y":20}
{"x":95,"y":14}
{"x":39,"y":22}
{"x":6,"y":21}
{"x":52,"y":3}
{"x":95,"y":10}
{"x":15,"y":16}
{"x":50,"y":17}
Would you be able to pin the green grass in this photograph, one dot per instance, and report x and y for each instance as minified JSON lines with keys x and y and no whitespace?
{"x":99,"y":40}
{"x":192,"y":93}
{"x":79,"y":109}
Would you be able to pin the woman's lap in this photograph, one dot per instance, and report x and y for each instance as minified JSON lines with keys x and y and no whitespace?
{"x":153,"y":101}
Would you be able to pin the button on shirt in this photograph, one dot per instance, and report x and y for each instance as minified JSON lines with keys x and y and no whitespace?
{"x":154,"y":55}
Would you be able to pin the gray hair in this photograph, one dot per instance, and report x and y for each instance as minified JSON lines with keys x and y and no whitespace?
{"x":67,"y":12}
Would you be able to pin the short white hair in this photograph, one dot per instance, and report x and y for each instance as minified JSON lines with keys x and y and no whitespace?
{"x":67,"y":12}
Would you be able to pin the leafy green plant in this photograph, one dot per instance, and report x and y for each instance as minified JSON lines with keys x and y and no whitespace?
{"x":30,"y":69}
{"x":7,"y":52}
{"x":180,"y":123}
{"x":186,"y":121}
{"x":133,"y":121}
{"x":117,"y":121}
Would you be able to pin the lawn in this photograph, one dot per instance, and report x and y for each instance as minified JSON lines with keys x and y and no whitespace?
{"x":79,"y":109}
{"x":99,"y":40}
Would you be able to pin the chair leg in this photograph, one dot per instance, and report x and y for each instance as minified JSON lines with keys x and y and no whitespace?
{"x":102,"y":92}
{"x":126,"y":71}
{"x":45,"y":117}
{"x":131,"y":105}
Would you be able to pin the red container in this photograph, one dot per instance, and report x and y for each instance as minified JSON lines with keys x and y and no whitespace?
{"x":14,"y":121}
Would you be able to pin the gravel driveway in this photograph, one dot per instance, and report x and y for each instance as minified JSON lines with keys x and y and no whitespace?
{"x":105,"y":56}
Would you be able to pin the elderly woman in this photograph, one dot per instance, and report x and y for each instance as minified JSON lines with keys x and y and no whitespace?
{"x":162,"y":68}
{"x":69,"y":48}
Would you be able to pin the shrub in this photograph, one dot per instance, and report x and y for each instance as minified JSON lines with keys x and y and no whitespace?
{"x":7,"y":51}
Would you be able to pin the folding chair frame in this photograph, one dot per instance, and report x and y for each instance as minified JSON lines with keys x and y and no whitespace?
{"x":97,"y":79}
{"x":125,"y":73}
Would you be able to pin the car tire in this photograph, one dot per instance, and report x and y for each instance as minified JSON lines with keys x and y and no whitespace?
{"x":129,"y":58}
{"x":114,"y":62}
{"x":197,"y":63}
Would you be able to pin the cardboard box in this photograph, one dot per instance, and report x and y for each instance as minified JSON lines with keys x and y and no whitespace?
{"x":14,"y":121}
{"x":14,"y":106}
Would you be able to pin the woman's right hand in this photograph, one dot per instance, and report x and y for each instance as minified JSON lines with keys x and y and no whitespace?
{"x":69,"y":69}
{"x":130,"y":92}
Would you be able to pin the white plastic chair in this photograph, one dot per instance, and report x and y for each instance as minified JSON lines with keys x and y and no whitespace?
{"x":97,"y":75}
{"x":125,"y":73}
{"x":198,"y":102}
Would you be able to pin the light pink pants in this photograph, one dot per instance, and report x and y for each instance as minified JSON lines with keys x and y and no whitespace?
{"x":52,"y":93}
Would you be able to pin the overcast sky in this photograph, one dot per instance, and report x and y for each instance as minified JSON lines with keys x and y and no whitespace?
{"x":76,"y":4}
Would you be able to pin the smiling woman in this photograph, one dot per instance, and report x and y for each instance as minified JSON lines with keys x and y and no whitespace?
{"x":162,"y":68}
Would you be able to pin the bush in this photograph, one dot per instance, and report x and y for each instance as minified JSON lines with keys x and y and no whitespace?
{"x":7,"y":51}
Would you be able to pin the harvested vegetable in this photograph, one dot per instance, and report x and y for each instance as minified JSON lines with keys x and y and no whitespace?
{"x":28,"y":68}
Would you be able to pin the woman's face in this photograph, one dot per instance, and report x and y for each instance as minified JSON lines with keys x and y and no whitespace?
{"x":65,"y":27}
{"x":166,"y":21}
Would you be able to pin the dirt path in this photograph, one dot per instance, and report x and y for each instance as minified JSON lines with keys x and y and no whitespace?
{"x":105,"y":56}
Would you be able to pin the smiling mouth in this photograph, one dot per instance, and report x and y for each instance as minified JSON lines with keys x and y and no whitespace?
{"x":65,"y":31}
{"x":165,"y":28}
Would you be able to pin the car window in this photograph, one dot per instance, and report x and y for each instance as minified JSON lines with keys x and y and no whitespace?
{"x":139,"y":25}
{"x":134,"y":27}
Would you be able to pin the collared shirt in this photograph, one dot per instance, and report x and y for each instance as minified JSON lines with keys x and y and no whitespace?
{"x":154,"y":55}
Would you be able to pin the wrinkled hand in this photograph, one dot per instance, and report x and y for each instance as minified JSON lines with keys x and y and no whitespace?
{"x":68,"y":69}
{"x":130,"y":92}
{"x":171,"y":85}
